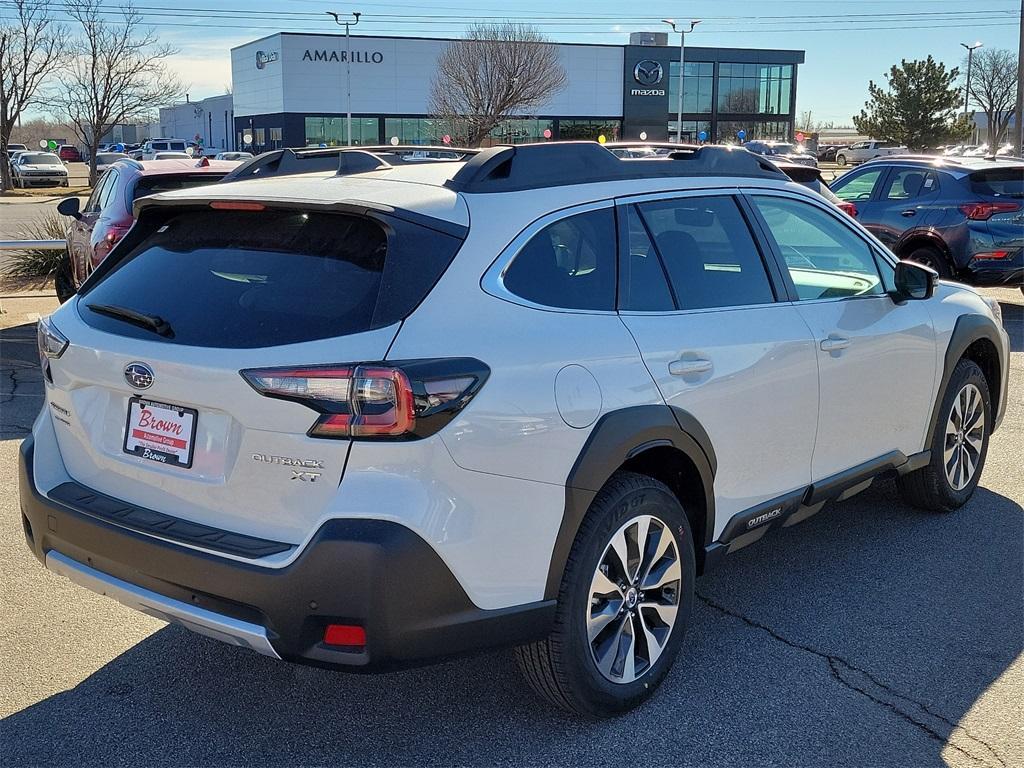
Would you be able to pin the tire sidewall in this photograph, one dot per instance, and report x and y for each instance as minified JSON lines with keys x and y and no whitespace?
{"x":930,"y":257}
{"x":604,"y":697}
{"x":966,"y":372}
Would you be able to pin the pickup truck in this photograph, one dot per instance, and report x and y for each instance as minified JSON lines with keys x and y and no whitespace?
{"x":867,"y":150}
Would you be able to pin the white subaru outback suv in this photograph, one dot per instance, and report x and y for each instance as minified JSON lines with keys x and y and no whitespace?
{"x":378,"y":417}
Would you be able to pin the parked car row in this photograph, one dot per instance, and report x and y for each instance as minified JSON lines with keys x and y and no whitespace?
{"x":37,"y":169}
{"x":374,"y":415}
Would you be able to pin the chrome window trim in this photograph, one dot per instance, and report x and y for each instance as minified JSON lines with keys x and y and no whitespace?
{"x":493,"y":281}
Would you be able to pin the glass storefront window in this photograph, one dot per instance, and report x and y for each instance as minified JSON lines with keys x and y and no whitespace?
{"x":769,"y":130}
{"x":589,"y":129}
{"x":520,"y":131}
{"x":331,"y":131}
{"x":414,"y":130}
{"x":699,"y":77}
{"x":691,"y":130}
{"x":754,"y":88}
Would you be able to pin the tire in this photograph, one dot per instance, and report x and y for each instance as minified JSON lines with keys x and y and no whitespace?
{"x":63,"y":282}
{"x":930,"y":257}
{"x":841,"y":160}
{"x":933,"y":487}
{"x":564,"y":668}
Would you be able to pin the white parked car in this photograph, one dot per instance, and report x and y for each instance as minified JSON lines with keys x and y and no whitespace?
{"x":149,"y":149}
{"x":863,"y":151}
{"x":240,"y":156}
{"x":171,"y":156}
{"x":526,"y":399}
{"x":106,"y":159}
{"x":38,"y":169}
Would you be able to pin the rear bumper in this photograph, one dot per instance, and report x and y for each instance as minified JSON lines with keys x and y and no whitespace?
{"x":373,"y":573}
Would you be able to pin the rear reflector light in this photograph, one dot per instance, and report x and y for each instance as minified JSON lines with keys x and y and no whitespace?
{"x":345,"y":634}
{"x":848,"y":208}
{"x":374,"y":400}
{"x":985,"y":211}
{"x":236,"y":205}
{"x":991,"y":255}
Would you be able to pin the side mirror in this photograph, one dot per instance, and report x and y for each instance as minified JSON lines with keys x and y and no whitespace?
{"x":915,"y":281}
{"x":70,"y":206}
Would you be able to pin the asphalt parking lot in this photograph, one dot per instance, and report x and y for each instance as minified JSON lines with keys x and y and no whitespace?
{"x":870,"y":635}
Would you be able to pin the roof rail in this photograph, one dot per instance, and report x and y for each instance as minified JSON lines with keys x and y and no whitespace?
{"x":534,"y":166}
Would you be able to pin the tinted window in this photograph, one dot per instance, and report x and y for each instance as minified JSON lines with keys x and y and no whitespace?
{"x":708,"y":252}
{"x":909,"y":184}
{"x":825,"y":258}
{"x":999,"y":182}
{"x":152,"y":185}
{"x":93,"y":203}
{"x":856,"y":187}
{"x":109,"y":186}
{"x":644,"y":285}
{"x":239,"y":279}
{"x":568,"y":264}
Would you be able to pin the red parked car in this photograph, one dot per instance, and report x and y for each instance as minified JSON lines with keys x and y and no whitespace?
{"x":107,"y":215}
{"x":69,"y":154}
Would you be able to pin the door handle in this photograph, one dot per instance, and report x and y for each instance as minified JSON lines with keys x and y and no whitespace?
{"x":834,"y":343}
{"x":689,"y":367}
{"x":908,"y":212}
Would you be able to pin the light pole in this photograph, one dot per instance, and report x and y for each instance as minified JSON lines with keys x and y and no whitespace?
{"x":348,"y":67}
{"x":970,"y":56}
{"x":682,"y":56}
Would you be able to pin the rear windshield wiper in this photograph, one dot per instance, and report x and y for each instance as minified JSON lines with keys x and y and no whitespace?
{"x":154,"y":323}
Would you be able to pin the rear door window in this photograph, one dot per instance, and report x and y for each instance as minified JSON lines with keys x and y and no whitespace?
{"x":910,"y":184}
{"x":708,"y":252}
{"x":244,"y":279}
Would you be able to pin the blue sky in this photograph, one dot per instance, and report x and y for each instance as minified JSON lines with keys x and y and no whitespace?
{"x":847,"y":43}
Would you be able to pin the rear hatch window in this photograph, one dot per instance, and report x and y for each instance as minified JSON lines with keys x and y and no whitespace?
{"x":999,"y":182}
{"x":153,"y":185}
{"x":245,"y":279}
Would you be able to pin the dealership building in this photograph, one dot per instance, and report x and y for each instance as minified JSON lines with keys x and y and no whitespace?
{"x":289,"y":89}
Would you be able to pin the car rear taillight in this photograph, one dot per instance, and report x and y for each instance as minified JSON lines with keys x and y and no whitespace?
{"x":989,"y":255}
{"x":115,"y":232}
{"x":848,"y":208}
{"x":985,"y":211}
{"x":405,"y":400}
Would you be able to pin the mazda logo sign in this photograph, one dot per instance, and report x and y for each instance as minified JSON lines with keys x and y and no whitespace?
{"x":138,"y":375}
{"x":648,"y":72}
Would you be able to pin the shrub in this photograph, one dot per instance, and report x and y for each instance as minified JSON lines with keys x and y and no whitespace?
{"x":38,"y":263}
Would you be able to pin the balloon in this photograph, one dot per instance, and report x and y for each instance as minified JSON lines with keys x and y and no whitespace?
{"x":247,"y":138}
{"x":601,"y":139}
{"x":394,"y":141}
{"x":799,"y":136}
{"x":119,"y":147}
{"x":703,"y":135}
{"x":446,"y":139}
{"x":322,"y":145}
{"x":43,"y":144}
{"x":643,"y":135}
{"x":547,"y":133}
{"x":741,"y":134}
{"x":51,"y":145}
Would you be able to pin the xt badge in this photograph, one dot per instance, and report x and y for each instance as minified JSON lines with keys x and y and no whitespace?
{"x":305,"y":477}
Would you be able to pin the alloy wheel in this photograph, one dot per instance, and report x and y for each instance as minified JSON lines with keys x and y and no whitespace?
{"x":634,"y":599}
{"x":965,"y":434}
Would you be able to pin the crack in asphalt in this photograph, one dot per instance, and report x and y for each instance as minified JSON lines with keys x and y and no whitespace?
{"x":863,"y":682}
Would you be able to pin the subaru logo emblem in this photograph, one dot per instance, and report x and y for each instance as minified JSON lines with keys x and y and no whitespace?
{"x":138,"y":375}
{"x":648,"y":72}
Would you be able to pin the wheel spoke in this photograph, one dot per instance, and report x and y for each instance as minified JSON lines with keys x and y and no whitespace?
{"x":602,"y":586}
{"x":656,"y":552}
{"x":654,"y":647}
{"x":968,"y":466}
{"x":643,"y":527}
{"x":618,"y":552}
{"x":667,"y":613}
{"x":665,"y":573}
{"x":605,"y":616}
{"x":628,"y":651}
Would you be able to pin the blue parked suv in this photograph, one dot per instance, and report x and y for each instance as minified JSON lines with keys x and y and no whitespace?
{"x":963,"y":217}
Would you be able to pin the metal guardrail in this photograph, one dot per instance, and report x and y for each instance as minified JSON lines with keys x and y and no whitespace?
{"x":33,"y":245}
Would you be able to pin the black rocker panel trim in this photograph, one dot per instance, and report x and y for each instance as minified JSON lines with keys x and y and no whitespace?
{"x":969,"y":329}
{"x":617,"y":437}
{"x":137,"y":518}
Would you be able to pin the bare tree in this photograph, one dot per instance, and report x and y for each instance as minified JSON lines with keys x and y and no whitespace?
{"x":32,"y":46}
{"x":994,"y":74}
{"x":497,"y":71}
{"x":117,"y":73}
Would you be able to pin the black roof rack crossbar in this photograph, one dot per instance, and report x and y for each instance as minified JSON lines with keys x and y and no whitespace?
{"x":534,"y":166}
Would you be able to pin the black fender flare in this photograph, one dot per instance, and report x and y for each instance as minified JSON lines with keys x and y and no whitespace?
{"x":968,"y":329}
{"x":617,"y":437}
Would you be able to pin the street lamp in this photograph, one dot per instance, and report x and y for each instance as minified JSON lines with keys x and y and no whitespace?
{"x":967,"y":87}
{"x":348,"y":67}
{"x":682,"y":53}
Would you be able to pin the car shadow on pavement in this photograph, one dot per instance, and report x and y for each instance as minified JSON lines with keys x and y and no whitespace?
{"x":21,"y":381}
{"x":860,"y":637}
